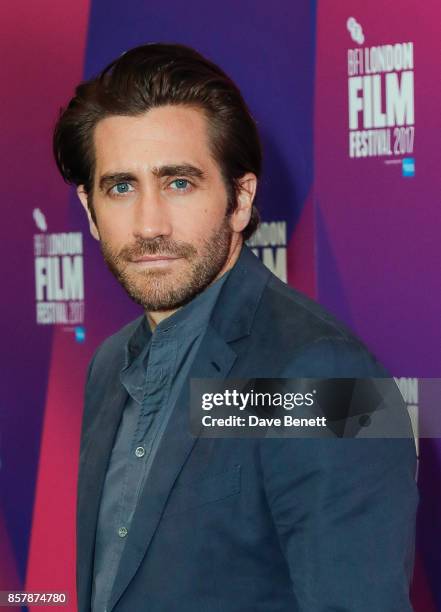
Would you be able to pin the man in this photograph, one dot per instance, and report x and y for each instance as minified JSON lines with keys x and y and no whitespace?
{"x":166,"y":159}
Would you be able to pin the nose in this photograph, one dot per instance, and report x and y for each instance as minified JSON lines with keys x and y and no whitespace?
{"x":151,"y":217}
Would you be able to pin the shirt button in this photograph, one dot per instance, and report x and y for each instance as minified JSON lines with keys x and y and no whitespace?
{"x":140,"y":451}
{"x":122,"y":532}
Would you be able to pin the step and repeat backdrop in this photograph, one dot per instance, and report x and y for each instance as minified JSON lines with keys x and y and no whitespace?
{"x":347,"y":99}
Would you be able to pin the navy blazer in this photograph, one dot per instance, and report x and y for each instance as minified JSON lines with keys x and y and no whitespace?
{"x":254,"y":525}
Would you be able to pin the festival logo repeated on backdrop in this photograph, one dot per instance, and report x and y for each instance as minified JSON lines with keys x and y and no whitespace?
{"x":381,"y":99}
{"x":59,"y":277}
{"x":269,"y":244}
{"x":378,"y":219}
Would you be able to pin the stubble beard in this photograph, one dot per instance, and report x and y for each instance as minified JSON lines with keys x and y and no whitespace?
{"x":157,"y":290}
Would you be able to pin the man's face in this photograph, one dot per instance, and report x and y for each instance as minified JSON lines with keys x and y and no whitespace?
{"x":160,"y":204}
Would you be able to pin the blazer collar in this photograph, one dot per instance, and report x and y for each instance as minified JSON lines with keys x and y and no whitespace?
{"x":233,"y":314}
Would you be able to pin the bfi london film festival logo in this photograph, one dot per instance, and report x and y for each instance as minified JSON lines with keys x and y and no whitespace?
{"x":381,"y":100}
{"x":269,"y":244}
{"x":59,"y":277}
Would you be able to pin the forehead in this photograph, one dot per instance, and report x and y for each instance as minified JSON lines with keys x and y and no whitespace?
{"x":164,"y":135}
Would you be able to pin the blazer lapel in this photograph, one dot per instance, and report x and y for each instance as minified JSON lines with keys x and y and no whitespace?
{"x":93,"y":465}
{"x":214,"y":359}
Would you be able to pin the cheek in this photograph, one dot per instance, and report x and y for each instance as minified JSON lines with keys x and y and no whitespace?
{"x":116,"y":233}
{"x":196,"y":227}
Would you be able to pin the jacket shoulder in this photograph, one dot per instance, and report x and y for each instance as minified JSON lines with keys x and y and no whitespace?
{"x":301,"y":314}
{"x":307,"y":340}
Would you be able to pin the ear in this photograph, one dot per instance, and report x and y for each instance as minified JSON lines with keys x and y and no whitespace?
{"x":84,"y":201}
{"x":247,"y":191}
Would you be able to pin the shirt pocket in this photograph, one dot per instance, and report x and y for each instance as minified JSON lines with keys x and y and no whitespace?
{"x":204,"y":491}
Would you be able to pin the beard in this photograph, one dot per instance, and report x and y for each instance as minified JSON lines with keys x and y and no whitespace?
{"x":157,"y":290}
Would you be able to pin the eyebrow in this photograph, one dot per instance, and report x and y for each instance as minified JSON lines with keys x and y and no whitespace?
{"x":109,"y":179}
{"x":177,"y":170}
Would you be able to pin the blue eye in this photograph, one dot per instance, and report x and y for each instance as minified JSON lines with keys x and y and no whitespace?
{"x":181,"y":184}
{"x":121,"y":188}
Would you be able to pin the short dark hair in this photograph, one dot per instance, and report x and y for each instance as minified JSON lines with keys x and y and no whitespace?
{"x":156,"y":75}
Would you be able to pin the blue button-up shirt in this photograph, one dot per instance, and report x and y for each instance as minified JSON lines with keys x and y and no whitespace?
{"x":156,"y":366}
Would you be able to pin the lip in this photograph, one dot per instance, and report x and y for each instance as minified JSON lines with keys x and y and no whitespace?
{"x":155,"y":258}
{"x":154,"y":261}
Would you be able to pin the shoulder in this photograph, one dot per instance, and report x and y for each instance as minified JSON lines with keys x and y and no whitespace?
{"x":301,"y":313}
{"x":310,"y":340}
